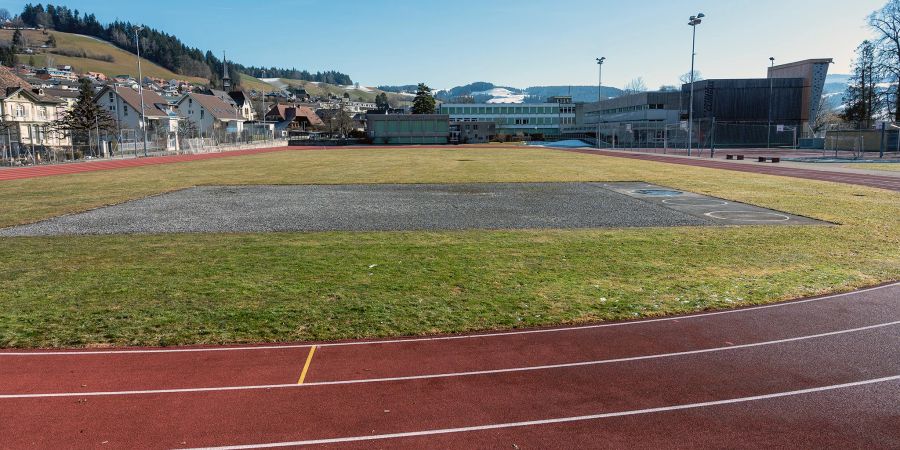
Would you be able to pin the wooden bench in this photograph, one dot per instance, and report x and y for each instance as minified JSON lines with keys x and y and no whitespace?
{"x":737,"y":157}
{"x":771,"y":159}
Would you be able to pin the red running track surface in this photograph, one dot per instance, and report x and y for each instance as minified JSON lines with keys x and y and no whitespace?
{"x":877,"y":181}
{"x":820,"y":372}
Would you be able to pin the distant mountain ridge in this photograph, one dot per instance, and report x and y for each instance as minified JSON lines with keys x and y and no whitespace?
{"x":485,"y":92}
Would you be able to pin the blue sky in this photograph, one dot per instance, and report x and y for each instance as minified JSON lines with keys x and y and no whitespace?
{"x":519,"y":43}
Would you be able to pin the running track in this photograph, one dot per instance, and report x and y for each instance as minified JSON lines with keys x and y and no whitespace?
{"x":878,"y":181}
{"x":821,"y":372}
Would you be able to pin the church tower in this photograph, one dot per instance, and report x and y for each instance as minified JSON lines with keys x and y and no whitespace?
{"x":226,"y":79}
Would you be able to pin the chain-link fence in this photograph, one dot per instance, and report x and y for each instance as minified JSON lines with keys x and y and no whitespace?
{"x":130,"y":143}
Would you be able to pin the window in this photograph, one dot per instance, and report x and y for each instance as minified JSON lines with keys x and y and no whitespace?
{"x":42,"y":112}
{"x":20,"y":111}
{"x":111,"y":96}
{"x":125,"y":110}
{"x":201,"y":113}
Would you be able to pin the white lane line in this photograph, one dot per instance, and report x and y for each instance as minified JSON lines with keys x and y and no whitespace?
{"x":449,"y":374}
{"x":560,"y":419}
{"x":451,"y":338}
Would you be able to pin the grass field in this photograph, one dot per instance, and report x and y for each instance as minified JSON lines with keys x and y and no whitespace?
{"x":236,"y":288}
{"x":124,"y":63}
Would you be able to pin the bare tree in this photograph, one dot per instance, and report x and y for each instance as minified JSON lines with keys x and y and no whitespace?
{"x":827,"y":117}
{"x":886,"y":23}
{"x":636,"y":85}
{"x":686,"y":78}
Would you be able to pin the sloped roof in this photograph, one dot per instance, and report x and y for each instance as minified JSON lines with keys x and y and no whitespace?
{"x":154,"y":104}
{"x":239,"y":97}
{"x":215,"y":106}
{"x":10,"y":80}
{"x":10,"y":83}
{"x":291,"y":112}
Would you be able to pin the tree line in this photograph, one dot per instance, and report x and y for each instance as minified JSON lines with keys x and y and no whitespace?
{"x":161,"y":48}
{"x":872,"y":93}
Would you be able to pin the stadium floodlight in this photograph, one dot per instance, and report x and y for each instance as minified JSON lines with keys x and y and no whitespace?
{"x":693,"y":22}
{"x":771,"y":89}
{"x":600,"y":62}
{"x":137,"y":43}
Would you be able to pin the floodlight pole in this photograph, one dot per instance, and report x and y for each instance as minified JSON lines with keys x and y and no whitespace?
{"x":137,"y":42}
{"x":771,"y":89}
{"x":694,"y":21}
{"x":599,"y":95}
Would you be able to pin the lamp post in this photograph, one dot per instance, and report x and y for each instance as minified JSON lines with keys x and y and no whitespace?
{"x":599,"y":95}
{"x":771,"y":89}
{"x":693,"y":22}
{"x":137,"y":42}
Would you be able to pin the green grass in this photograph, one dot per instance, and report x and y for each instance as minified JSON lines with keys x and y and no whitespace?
{"x":892,"y":167}
{"x":234,"y":288}
{"x":124,"y":63}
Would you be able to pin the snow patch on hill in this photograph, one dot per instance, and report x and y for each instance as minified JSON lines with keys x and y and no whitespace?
{"x":502,"y":95}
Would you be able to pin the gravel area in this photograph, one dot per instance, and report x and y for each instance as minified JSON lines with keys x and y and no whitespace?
{"x":374,"y":207}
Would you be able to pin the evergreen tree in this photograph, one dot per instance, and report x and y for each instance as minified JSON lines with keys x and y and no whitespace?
{"x":862,"y":99}
{"x":51,"y":41}
{"x":17,"y":41}
{"x":85,"y":117}
{"x":424,"y":101}
{"x":381,"y":101}
{"x":7,"y":56}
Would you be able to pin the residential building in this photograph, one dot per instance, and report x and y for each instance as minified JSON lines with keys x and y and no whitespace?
{"x":293,"y":118}
{"x":28,"y":113}
{"x":124,"y":105}
{"x":408,"y":129}
{"x":211,"y":114}
{"x":244,"y":104}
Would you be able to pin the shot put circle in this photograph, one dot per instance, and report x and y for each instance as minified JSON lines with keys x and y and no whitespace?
{"x":694,"y":202}
{"x":748,"y":216}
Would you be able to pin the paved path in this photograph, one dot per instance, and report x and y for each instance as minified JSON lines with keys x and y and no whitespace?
{"x":888,"y":181}
{"x":820,"y":372}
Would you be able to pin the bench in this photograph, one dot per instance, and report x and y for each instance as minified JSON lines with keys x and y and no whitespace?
{"x":771,"y":159}
{"x":737,"y":157}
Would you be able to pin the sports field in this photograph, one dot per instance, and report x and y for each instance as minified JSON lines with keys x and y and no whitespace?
{"x":168,"y":289}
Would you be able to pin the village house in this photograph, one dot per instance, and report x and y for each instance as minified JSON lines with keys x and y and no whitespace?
{"x":211,"y":114}
{"x":124,"y":105}
{"x":288,"y":118}
{"x":28,"y":113}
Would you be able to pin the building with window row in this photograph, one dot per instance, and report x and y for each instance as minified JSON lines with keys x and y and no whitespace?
{"x":525,"y":119}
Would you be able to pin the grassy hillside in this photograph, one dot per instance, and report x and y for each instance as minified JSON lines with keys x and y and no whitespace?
{"x":122,"y":62}
{"x":363,"y":93}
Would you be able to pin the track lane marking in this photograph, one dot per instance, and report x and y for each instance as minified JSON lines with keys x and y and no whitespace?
{"x":458,"y":337}
{"x":312,"y":351}
{"x":560,"y":419}
{"x":449,"y":374}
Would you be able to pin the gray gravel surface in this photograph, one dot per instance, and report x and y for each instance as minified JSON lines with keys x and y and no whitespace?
{"x":373,"y":207}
